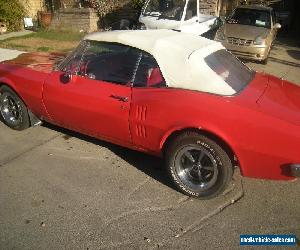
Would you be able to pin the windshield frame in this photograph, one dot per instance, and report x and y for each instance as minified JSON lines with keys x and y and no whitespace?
{"x":79,"y":49}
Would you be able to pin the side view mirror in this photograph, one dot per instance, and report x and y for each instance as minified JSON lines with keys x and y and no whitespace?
{"x":66,"y":77}
{"x":277,"y":26}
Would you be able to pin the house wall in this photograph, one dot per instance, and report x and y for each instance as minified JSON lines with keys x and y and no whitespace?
{"x":210,"y":7}
{"x":227,"y":6}
{"x":75,"y":19}
{"x":32,"y":7}
{"x":70,"y":3}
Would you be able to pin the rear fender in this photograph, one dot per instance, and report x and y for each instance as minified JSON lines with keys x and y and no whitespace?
{"x":222,"y":139}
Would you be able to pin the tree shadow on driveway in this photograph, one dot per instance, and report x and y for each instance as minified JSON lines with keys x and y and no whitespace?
{"x":295,"y":54}
{"x":150,"y":165}
{"x":284,"y":62}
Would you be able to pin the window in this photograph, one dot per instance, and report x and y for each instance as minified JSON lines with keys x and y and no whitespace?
{"x":230,"y":69}
{"x":165,"y":9}
{"x":274,"y":18}
{"x":113,"y":63}
{"x":109,"y":62}
{"x":191,"y":10}
{"x":72,"y":61}
{"x":148,"y":73}
{"x":253,"y":17}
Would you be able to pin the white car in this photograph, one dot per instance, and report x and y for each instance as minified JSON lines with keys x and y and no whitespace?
{"x":181,"y":15}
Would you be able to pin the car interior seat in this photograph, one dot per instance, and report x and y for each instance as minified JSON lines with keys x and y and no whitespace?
{"x":154,"y":78}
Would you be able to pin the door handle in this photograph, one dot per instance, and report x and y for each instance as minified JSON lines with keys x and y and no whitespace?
{"x":119,"y":98}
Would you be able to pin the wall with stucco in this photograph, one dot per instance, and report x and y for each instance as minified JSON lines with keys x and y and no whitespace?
{"x":32,"y":7}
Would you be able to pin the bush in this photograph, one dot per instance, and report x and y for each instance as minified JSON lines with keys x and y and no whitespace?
{"x":12,"y":13}
{"x":105,"y":7}
{"x":137,"y":4}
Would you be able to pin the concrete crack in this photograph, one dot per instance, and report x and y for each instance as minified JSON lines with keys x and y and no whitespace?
{"x":199,"y":224}
{"x":196,"y":226}
{"x":138,"y":187}
{"x":147,"y":210}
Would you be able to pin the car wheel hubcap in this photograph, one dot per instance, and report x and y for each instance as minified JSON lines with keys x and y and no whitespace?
{"x":196,"y":167}
{"x":10,"y":110}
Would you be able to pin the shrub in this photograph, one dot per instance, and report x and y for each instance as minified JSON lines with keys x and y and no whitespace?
{"x":137,"y":4}
{"x":108,"y":9}
{"x":105,"y":7}
{"x":12,"y":13}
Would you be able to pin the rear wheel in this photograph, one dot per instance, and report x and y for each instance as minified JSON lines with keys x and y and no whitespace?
{"x":13,"y":111}
{"x":198,"y":166}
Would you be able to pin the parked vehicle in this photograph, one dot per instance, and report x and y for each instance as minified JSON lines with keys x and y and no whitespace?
{"x":249,"y":32}
{"x":181,"y":15}
{"x":197,"y":106}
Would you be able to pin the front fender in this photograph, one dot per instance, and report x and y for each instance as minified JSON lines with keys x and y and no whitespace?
{"x":9,"y":83}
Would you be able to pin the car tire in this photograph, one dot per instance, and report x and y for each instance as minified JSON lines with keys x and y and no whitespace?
{"x":265,"y":61}
{"x":198,"y":166}
{"x":13,"y":111}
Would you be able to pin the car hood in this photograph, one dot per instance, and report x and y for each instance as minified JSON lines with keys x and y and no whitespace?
{"x":39,"y":61}
{"x":281,"y":99}
{"x":244,"y":31}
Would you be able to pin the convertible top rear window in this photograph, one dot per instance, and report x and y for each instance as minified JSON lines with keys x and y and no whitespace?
{"x":230,"y":69}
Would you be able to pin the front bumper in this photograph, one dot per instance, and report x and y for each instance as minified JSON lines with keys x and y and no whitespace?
{"x":253,"y":52}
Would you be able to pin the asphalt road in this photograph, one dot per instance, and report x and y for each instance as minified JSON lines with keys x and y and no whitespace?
{"x":62,"y":190}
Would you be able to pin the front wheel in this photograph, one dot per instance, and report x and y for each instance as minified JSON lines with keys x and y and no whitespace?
{"x":198,"y":166}
{"x":13,"y":111}
{"x":265,"y":61}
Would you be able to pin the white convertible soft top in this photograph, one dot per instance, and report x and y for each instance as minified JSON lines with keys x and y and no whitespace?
{"x":180,"y":56}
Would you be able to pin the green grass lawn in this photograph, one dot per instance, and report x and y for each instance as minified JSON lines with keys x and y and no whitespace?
{"x":44,"y":40}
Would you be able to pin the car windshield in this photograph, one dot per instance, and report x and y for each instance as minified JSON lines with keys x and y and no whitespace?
{"x":252,"y":17}
{"x":230,"y":69}
{"x":75,"y":56}
{"x":165,"y":9}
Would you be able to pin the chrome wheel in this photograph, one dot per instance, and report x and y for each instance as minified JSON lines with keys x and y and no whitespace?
{"x":11,"y":110}
{"x":196,"y":167}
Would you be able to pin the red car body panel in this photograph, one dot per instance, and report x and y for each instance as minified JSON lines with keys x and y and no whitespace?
{"x":260,"y":124}
{"x":88,"y":106}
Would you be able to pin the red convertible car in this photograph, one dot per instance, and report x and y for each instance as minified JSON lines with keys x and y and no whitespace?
{"x":174,"y":95}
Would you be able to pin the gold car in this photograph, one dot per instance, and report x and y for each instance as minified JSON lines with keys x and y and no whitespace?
{"x":249,"y":32}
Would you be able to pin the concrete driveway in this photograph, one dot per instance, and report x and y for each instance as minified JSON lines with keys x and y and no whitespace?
{"x":8,"y":54}
{"x":59,"y":189}
{"x":284,"y":61}
{"x":62,"y":189}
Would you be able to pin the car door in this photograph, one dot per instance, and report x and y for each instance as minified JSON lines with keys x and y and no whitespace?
{"x":148,"y":116}
{"x":91,"y":93}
